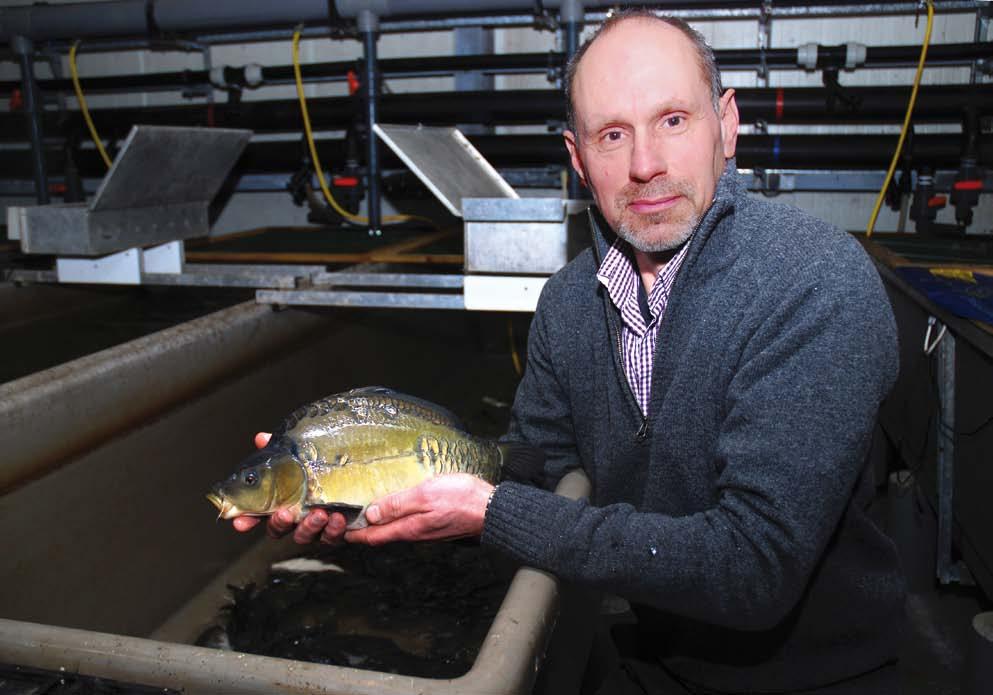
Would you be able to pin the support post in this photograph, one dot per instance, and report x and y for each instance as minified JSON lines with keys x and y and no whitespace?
{"x":947,"y":571}
{"x":368,"y":24}
{"x":572,"y":16}
{"x":24,"y":48}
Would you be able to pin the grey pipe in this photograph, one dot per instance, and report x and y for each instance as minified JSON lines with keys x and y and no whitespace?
{"x":24,"y":49}
{"x":507,"y":663}
{"x":129,"y":18}
{"x":48,"y":417}
{"x":572,"y":15}
{"x":74,"y":20}
{"x":138,"y":17}
{"x":217,"y":15}
{"x":368,"y":23}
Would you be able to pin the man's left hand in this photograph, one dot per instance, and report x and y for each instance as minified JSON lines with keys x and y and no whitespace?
{"x":441,"y":508}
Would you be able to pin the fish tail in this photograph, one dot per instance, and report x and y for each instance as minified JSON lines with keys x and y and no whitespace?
{"x":521,"y":462}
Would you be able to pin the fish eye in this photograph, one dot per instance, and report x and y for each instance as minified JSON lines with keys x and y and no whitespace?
{"x":250,"y":478}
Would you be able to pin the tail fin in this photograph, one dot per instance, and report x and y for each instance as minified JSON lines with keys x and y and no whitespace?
{"x":522,"y":463}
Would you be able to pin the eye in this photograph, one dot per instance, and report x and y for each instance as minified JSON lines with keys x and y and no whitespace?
{"x":674,"y":121}
{"x":250,"y":478}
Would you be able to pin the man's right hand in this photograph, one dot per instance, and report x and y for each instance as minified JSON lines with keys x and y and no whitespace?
{"x":317,"y":525}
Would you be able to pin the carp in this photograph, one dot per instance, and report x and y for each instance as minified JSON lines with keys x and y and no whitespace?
{"x":343,"y":452}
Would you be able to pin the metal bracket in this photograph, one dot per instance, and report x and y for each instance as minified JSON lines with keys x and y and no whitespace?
{"x":947,"y":571}
{"x":764,"y":40}
{"x":543,"y":19}
{"x":982,"y":66}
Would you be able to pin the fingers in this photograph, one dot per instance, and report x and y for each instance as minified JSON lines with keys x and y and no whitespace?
{"x":450,"y":506}
{"x":309,"y":530}
{"x":405,"y":529}
{"x":397,"y":506}
{"x":317,"y":525}
{"x":334,"y":532}
{"x":261,"y":439}
{"x":283,"y":521}
{"x":245,"y":523}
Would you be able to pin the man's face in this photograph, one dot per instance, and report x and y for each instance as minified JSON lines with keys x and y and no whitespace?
{"x":649,"y":144}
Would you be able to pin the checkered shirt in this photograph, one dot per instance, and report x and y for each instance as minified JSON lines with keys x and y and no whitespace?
{"x":619,"y":274}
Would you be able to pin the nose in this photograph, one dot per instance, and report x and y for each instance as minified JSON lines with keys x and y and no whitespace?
{"x":648,"y":158}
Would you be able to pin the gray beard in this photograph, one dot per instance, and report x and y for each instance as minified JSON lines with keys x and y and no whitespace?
{"x":674,"y":241}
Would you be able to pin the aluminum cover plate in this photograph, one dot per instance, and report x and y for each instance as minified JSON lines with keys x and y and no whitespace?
{"x":161,"y":165}
{"x":446,"y":162}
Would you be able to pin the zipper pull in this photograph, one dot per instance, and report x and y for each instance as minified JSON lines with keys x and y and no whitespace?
{"x":643,"y":430}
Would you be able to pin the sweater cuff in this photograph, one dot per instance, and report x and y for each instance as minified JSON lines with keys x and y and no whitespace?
{"x":520,"y":521}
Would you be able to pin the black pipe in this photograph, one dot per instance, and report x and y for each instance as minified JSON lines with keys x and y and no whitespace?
{"x":24,"y":49}
{"x":572,"y":15}
{"x":939,"y":55}
{"x":855,"y":152}
{"x":369,"y":37}
{"x":935,"y":104}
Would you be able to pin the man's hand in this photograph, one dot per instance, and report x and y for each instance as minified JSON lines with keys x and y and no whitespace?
{"x":445,"y":507}
{"x":318,"y":524}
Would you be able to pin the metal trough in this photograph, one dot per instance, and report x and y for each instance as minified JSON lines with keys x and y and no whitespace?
{"x":103,"y":547}
{"x":508,"y":661}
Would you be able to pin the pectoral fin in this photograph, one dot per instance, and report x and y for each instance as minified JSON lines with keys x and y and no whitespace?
{"x":353,"y":513}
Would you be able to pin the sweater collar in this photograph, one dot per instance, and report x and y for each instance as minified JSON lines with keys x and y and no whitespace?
{"x":728,"y":188}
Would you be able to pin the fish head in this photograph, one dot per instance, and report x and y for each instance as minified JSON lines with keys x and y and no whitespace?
{"x":267,"y":480}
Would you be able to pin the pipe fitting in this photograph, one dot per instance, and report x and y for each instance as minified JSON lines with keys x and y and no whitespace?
{"x":253,"y":75}
{"x":367,"y":21}
{"x":572,"y":12}
{"x":355,"y":8}
{"x":854,"y":55}
{"x":21,"y":45}
{"x":806,"y":56}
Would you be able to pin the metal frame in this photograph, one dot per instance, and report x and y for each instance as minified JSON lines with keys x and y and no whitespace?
{"x":791,"y":180}
{"x":947,"y":571}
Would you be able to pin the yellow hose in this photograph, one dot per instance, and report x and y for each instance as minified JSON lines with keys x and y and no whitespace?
{"x":355,"y":219}
{"x":906,"y":121}
{"x":513,"y":349}
{"x":82,"y":105}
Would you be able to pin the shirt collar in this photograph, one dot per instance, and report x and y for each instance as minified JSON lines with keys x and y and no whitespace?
{"x":618,"y":273}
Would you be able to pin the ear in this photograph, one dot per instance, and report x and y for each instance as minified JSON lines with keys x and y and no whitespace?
{"x":573,"y":147}
{"x":729,"y":123}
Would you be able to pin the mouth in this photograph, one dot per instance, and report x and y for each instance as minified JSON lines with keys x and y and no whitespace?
{"x":648,"y":206}
{"x":226,"y":510}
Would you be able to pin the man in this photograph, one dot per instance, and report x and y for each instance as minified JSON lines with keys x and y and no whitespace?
{"x":714,"y":363}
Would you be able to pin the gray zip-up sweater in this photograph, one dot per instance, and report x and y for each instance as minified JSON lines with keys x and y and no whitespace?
{"x":733,"y":516}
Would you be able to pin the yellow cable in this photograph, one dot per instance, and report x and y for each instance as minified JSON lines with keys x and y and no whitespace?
{"x":906,"y":121}
{"x":82,"y":105}
{"x":355,"y":219}
{"x":513,"y":349}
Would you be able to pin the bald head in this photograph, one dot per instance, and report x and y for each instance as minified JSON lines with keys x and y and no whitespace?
{"x":695,"y":42}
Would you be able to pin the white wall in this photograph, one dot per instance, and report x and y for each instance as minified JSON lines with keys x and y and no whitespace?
{"x":844,"y":209}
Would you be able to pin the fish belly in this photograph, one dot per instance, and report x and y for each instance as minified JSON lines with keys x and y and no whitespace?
{"x":358,"y":483}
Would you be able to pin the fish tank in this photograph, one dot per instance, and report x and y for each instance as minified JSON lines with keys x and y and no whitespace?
{"x":116,"y":570}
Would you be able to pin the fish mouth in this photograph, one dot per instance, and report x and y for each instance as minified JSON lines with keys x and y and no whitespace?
{"x":225,"y":508}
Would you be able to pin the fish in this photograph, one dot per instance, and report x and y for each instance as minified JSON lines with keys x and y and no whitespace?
{"x":342,"y":452}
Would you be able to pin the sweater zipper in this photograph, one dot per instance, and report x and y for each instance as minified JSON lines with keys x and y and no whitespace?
{"x":642,"y":432}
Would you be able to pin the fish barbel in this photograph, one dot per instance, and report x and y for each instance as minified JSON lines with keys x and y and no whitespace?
{"x":342,"y":452}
